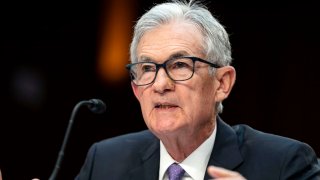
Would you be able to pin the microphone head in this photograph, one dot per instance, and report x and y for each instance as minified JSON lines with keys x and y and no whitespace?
{"x":97,"y":106}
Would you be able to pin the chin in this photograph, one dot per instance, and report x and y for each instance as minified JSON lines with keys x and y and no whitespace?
{"x":164,"y":130}
{"x":163,"y":125}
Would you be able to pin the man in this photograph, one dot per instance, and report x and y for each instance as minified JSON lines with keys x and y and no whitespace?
{"x":180,"y":74}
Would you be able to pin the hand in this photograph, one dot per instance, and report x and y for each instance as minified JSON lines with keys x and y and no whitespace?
{"x":223,"y":174}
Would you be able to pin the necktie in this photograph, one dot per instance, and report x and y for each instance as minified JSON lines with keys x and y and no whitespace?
{"x":175,"y":172}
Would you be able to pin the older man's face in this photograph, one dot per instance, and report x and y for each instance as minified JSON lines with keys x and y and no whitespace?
{"x":170,"y":107}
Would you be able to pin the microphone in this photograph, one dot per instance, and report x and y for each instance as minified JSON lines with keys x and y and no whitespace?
{"x":97,"y":106}
{"x":94,"y":105}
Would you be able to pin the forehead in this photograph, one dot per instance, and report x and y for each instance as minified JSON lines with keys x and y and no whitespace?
{"x":168,"y":39}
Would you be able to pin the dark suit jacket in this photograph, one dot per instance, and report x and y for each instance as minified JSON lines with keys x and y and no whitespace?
{"x":254,"y":154}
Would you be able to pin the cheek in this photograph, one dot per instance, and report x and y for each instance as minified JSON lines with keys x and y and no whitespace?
{"x":139,"y":93}
{"x":144,"y":100}
{"x":203,"y":98}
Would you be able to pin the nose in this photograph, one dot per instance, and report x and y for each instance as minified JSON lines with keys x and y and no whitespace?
{"x":163,"y":83}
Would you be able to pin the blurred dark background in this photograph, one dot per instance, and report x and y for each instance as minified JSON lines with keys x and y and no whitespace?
{"x":54,"y":54}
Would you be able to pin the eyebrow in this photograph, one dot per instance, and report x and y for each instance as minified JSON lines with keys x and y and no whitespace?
{"x":172,"y":56}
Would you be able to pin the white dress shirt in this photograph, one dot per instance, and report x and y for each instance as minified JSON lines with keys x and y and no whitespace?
{"x":195,"y":165}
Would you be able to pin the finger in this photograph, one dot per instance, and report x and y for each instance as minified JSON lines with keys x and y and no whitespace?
{"x":219,"y":172}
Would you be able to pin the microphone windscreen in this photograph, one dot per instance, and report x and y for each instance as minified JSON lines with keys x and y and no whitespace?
{"x":97,"y":106}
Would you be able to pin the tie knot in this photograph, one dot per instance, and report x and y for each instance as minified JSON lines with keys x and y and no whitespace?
{"x":175,"y":172}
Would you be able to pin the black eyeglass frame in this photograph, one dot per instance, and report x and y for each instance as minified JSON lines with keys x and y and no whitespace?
{"x":164,"y":65}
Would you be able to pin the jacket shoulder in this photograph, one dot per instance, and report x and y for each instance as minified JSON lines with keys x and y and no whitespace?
{"x":247,"y":134}
{"x":115,"y":157}
{"x":287,"y":158}
{"x":136,"y":139}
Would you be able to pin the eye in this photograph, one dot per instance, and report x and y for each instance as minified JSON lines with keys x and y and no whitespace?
{"x":181,"y":64}
{"x":148,"y":68}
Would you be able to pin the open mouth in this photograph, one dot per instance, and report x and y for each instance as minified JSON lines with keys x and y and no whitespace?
{"x":165,"y":106}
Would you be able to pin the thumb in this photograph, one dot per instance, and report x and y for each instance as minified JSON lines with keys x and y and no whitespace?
{"x":218,"y":172}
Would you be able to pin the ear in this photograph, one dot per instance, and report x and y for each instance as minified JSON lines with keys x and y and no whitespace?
{"x":226,"y":77}
{"x":135,"y":90}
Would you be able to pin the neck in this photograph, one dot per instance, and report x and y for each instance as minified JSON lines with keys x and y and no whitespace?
{"x":181,"y":145}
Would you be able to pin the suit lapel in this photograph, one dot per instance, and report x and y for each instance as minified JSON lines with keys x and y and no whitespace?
{"x":225,"y":154}
{"x":149,"y":166}
{"x":226,"y":151}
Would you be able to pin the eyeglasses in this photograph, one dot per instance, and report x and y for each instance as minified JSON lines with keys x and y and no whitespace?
{"x":177,"y":69}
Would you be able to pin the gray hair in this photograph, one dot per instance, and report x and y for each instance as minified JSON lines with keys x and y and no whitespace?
{"x":216,"y":45}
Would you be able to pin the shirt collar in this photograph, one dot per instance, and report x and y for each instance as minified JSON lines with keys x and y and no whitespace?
{"x":195,"y":164}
